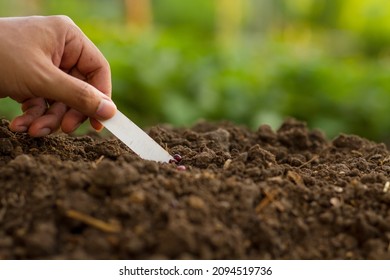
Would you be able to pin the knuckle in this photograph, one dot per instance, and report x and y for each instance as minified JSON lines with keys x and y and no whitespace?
{"x":85,"y":100}
{"x":63,"y":19}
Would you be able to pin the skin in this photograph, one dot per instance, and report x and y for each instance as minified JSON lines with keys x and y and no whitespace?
{"x":55,"y":72}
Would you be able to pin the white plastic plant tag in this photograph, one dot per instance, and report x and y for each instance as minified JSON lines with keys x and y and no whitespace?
{"x":135,"y":138}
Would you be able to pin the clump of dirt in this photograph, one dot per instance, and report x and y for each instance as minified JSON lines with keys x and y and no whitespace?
{"x":285,"y":194}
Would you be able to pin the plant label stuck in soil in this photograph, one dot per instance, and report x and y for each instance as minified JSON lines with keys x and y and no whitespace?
{"x":135,"y":138}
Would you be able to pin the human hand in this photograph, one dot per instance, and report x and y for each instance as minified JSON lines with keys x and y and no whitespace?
{"x":57,"y":74}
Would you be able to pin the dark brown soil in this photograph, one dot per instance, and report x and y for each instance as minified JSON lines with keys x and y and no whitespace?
{"x":290,"y":194}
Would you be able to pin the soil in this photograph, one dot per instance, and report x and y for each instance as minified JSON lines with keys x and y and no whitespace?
{"x":285,"y":194}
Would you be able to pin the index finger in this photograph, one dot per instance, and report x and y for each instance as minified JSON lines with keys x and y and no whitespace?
{"x":80,"y":53}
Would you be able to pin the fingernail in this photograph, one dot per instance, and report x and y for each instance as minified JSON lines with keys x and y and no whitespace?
{"x":106,"y":109}
{"x":43,"y":132}
{"x":99,"y":129}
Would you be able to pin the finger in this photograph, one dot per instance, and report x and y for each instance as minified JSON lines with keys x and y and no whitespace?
{"x":96,"y":124}
{"x":72,"y":120}
{"x":77,"y":74}
{"x":77,"y":94}
{"x":33,"y":108}
{"x":75,"y":119}
{"x":49,"y":122}
{"x":81,"y":54}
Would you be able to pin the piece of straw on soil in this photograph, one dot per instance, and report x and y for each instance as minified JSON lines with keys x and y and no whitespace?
{"x":269,"y":197}
{"x":99,"y":224}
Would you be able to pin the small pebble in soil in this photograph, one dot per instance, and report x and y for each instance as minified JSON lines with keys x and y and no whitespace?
{"x":196,"y":202}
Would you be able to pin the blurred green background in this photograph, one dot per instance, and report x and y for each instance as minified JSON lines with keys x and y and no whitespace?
{"x":326,"y":62}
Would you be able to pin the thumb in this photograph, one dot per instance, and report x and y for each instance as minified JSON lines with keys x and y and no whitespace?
{"x":79,"y":95}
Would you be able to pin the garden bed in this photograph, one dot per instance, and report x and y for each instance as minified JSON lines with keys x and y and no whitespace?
{"x":285,"y":194}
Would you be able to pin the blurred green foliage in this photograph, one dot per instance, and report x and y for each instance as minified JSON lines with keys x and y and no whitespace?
{"x":322,"y":61}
